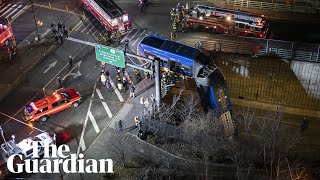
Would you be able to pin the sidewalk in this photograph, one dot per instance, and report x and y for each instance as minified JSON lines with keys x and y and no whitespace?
{"x":29,"y":54}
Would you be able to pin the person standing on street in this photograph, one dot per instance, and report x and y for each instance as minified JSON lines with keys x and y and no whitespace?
{"x":120,"y":125}
{"x":61,"y":37}
{"x":65,"y":32}
{"x":131,"y":89}
{"x":56,"y":37}
{"x":103,"y":79}
{"x":60,"y":26}
{"x":59,"y":82}
{"x":70,"y":61}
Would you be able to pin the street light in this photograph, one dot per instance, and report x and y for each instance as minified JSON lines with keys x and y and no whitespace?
{"x":35,"y":21}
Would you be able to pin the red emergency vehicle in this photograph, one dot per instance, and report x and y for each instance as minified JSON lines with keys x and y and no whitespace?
{"x":227,"y":21}
{"x":6,"y":34}
{"x":109,"y":14}
{"x":60,"y":100}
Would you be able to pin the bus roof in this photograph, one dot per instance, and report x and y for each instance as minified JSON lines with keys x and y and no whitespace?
{"x":171,"y":47}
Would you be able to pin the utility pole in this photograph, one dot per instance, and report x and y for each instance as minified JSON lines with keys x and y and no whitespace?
{"x":4,"y":139}
{"x":156,"y":71}
{"x":35,"y":21}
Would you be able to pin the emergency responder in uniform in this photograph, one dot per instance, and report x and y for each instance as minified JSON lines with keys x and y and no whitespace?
{"x":100,"y":38}
{"x":65,"y":32}
{"x":175,"y":25}
{"x":137,"y":74}
{"x":184,"y":24}
{"x":120,"y":86}
{"x":56,"y":37}
{"x":108,"y":37}
{"x":60,"y":26}
{"x":61,"y":37}
{"x":173,"y":13}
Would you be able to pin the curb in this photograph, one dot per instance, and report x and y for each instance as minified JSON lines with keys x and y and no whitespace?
{"x":275,"y":107}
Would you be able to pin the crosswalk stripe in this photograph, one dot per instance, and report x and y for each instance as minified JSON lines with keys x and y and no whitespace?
{"x":94,"y":122}
{"x":99,"y":93}
{"x":116,"y":90}
{"x":95,"y":32}
{"x":134,"y":34}
{"x":124,"y":38}
{"x":20,"y":12}
{"x":5,"y":8}
{"x":107,"y":109}
{"x":138,"y":37}
{"x":91,"y":28}
{"x":8,"y":10}
{"x":13,"y":11}
{"x":80,"y":41}
{"x":81,"y":24}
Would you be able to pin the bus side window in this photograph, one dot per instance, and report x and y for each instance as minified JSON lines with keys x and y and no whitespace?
{"x":247,"y":27}
{"x":256,"y":29}
{"x":185,"y":69}
{"x":236,"y":25}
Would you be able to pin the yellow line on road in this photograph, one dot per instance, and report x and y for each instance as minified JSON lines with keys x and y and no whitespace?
{"x":57,"y":9}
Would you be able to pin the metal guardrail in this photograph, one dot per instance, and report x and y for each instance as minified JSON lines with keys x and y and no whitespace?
{"x":265,"y":47}
{"x":272,"y":6}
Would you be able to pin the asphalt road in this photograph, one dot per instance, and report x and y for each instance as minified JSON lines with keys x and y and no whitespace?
{"x":98,"y":106}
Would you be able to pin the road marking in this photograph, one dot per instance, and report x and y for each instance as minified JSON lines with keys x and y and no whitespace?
{"x":95,"y":32}
{"x":63,"y":67}
{"x":99,"y":93}
{"x":107,"y":109}
{"x":81,"y":142}
{"x":121,"y":114}
{"x":138,"y":37}
{"x":50,"y":66}
{"x":134,"y":35}
{"x":77,"y":26}
{"x":73,"y":74}
{"x":20,"y":12}
{"x":45,"y":33}
{"x":124,"y":38}
{"x":116,"y":90}
{"x":94,"y":122}
{"x":87,"y":75}
{"x":80,"y":41}
{"x":30,"y":133}
{"x":7,"y":10}
{"x":91,"y":28}
{"x":13,"y":11}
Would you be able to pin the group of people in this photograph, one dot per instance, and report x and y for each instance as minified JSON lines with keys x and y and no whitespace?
{"x":124,"y":82}
{"x":60,"y":31}
{"x":108,"y":37}
{"x":179,"y":18}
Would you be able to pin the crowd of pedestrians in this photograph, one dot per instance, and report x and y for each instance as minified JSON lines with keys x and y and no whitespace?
{"x":60,"y":31}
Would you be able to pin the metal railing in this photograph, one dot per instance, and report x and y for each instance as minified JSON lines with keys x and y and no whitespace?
{"x":264,"y":47}
{"x":272,"y":6}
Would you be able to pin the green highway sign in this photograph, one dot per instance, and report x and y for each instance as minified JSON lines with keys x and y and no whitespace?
{"x":110,"y":55}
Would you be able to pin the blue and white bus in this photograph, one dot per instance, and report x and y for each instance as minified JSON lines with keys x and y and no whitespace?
{"x":211,"y":84}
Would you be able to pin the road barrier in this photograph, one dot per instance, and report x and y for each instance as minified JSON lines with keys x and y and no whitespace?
{"x":272,"y":6}
{"x":264,"y":47}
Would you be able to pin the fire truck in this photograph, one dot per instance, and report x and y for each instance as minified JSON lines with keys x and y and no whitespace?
{"x":6,"y":34}
{"x":227,"y":21}
{"x":109,"y":14}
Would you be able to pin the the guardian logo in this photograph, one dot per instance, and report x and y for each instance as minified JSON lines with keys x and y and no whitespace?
{"x":53,"y":158}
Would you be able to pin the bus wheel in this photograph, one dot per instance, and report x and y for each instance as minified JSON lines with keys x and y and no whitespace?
{"x":43,"y":118}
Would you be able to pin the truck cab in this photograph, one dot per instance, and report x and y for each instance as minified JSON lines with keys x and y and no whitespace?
{"x":60,"y":100}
